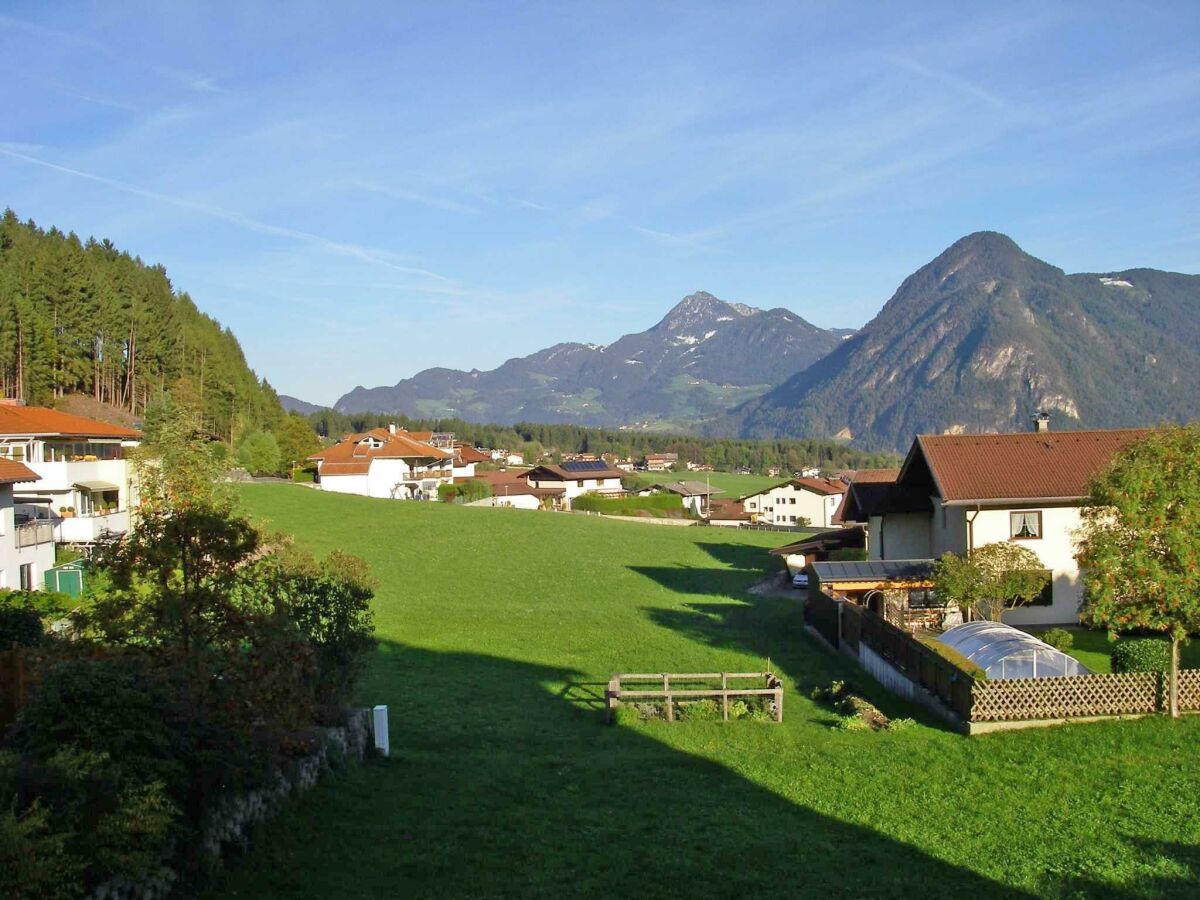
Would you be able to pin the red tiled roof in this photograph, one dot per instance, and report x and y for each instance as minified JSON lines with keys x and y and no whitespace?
{"x":15,"y":472}
{"x":468,"y":454}
{"x":1027,"y":466}
{"x":512,"y":485}
{"x":350,"y":456}
{"x":866,"y":495}
{"x":41,"y":421}
{"x":824,"y":486}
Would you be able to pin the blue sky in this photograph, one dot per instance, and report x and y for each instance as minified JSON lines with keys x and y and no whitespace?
{"x":362,"y":191}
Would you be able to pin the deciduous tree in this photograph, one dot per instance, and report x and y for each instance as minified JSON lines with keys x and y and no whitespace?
{"x":1140,"y":542}
{"x":991,"y":579}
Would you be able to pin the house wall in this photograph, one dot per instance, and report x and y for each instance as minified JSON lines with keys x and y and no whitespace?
{"x":513,"y":501}
{"x":948,"y":528}
{"x":902,"y":536}
{"x":785,"y":504}
{"x":1056,"y":549}
{"x":40,"y":556}
{"x":345,"y":484}
{"x":579,"y":486}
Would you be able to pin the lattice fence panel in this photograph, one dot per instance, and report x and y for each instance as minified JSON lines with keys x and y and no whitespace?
{"x":1077,"y":695}
{"x":1189,"y":688}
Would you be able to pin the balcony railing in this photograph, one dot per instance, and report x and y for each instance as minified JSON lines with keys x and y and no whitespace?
{"x":33,"y":533}
{"x":429,"y":475}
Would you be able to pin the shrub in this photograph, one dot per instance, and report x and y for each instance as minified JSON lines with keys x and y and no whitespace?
{"x":34,"y":859}
{"x":952,"y":656}
{"x":19,"y":623}
{"x":738,"y":709}
{"x":1141,"y":655}
{"x":701,"y":711}
{"x":1059,"y":639}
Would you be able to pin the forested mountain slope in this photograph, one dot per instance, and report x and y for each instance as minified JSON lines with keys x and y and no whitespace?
{"x":83,"y":317}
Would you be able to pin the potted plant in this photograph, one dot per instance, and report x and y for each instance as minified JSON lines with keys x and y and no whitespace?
{"x":67,"y":512}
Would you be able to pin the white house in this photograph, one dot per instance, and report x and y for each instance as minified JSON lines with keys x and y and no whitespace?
{"x":465,"y":459}
{"x":800,"y":501}
{"x":576,"y":478}
{"x":659,"y":462}
{"x":388,"y":463}
{"x":26,"y":550}
{"x":84,"y":487}
{"x":956,"y":493}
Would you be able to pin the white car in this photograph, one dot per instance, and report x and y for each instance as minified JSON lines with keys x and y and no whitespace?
{"x":800,"y":581}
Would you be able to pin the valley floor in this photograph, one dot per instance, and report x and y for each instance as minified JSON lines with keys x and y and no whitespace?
{"x":498,"y":630}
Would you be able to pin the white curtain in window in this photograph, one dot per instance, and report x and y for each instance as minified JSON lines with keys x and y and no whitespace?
{"x":1025,"y":524}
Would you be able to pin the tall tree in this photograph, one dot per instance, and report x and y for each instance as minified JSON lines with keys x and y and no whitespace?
{"x":1140,"y":544}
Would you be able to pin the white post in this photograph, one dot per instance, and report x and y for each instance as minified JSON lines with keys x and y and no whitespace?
{"x":379,"y":725}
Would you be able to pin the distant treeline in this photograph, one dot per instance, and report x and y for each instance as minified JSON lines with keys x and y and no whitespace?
{"x":722,"y":453}
{"x":82,"y":317}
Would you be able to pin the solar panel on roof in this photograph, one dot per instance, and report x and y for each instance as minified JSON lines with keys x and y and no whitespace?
{"x":585,"y":465}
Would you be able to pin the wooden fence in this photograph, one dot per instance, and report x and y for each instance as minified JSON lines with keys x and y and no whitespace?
{"x":1017,"y":699}
{"x":12,"y":685}
{"x":1003,"y":700}
{"x":616,"y":693}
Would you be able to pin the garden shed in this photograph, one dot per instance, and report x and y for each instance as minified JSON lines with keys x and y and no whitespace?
{"x":1006,"y":652}
{"x":67,"y":578}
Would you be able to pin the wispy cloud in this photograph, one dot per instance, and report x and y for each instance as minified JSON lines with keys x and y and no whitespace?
{"x":341,"y":248}
{"x":411,"y":196}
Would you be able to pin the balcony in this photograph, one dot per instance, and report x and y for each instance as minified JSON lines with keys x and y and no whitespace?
{"x":33,"y":533}
{"x":88,"y":529}
{"x":428,"y":475}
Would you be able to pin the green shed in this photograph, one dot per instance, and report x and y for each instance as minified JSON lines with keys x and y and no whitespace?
{"x":67,"y":579}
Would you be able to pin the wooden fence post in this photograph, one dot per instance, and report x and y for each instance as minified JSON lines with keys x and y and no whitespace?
{"x":724,"y":697}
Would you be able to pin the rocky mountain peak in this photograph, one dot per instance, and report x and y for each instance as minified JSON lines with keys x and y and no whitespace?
{"x":702,"y":308}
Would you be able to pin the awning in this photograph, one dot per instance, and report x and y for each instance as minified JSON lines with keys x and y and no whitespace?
{"x":96,"y":486}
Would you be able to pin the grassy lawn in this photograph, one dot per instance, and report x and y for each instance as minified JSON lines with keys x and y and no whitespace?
{"x":498,"y":630}
{"x":1094,"y":650}
{"x":734,"y":486}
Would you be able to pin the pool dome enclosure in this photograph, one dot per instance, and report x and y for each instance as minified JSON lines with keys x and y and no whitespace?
{"x":1006,"y":652}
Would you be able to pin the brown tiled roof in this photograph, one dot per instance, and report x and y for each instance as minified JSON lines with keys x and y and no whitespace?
{"x":510,"y":484}
{"x":823,"y":486}
{"x":728,"y":511}
{"x":876,"y":491}
{"x":468,"y":454}
{"x":41,"y":421}
{"x":1027,"y":466}
{"x":15,"y":472}
{"x":350,"y":456}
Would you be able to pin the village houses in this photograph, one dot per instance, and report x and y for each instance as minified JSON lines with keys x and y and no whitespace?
{"x":576,"y":478}
{"x":26,"y":550}
{"x":84,"y":488}
{"x":795,"y":503}
{"x":389,"y":463}
{"x":956,"y":493}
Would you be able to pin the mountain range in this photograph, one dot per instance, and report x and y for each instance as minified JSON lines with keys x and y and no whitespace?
{"x":986,"y":335}
{"x":702,"y":359}
{"x":979,"y":339}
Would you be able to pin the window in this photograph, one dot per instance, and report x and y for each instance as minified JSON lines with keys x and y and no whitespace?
{"x":27,"y":576}
{"x":792,"y":500}
{"x":923,"y":598}
{"x":579,"y":484}
{"x":1025,"y":526}
{"x":792,"y":519}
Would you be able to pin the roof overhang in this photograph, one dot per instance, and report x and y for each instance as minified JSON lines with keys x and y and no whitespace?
{"x":1014,"y":501}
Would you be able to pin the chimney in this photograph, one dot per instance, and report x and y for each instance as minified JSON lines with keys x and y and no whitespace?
{"x":392,"y":428}
{"x":1041,"y":422}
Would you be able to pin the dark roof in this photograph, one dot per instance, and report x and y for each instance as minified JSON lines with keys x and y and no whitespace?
{"x":874,"y":492}
{"x":835,"y":539}
{"x":548,"y":472}
{"x":874,"y":570}
{"x":970,"y":468}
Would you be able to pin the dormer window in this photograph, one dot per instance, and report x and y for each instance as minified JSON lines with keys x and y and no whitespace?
{"x":1025,"y":526}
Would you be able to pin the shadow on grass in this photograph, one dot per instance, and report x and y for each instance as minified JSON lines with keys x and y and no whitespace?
{"x":499,"y":788}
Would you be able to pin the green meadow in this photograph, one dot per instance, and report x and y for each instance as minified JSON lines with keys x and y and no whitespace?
{"x":498,"y":630}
